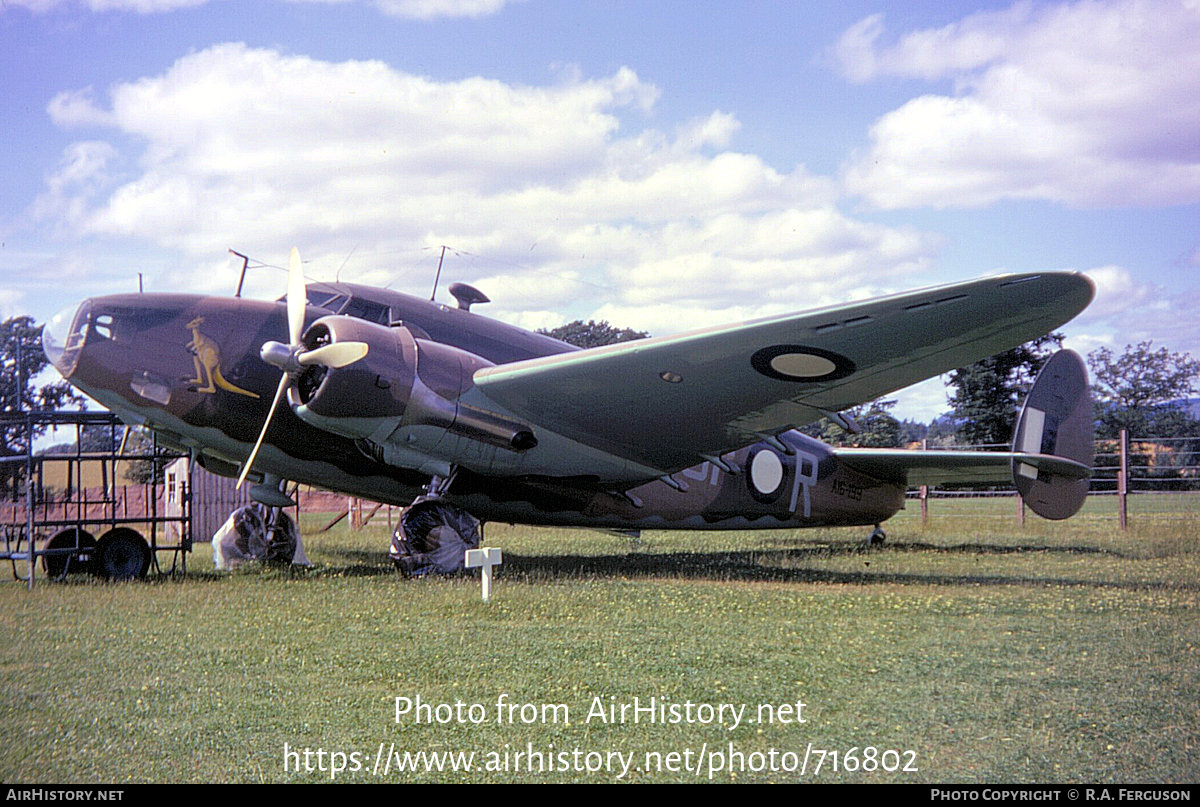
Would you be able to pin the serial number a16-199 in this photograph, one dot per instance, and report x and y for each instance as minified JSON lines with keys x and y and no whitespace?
{"x":848,"y":489}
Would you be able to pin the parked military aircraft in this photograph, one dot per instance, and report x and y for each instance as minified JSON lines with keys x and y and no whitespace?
{"x":391,"y":397}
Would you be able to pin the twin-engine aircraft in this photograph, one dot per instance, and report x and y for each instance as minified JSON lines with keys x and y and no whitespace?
{"x":394,"y":398}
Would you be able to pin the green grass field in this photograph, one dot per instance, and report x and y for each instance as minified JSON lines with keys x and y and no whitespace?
{"x":979,"y":650}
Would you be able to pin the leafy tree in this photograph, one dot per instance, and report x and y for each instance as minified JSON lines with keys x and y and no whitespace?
{"x":943,"y":432}
{"x":592,"y":333}
{"x":912,"y":431}
{"x":105,"y":439}
{"x":21,"y":360}
{"x":880,"y":428}
{"x":1144,"y":391}
{"x":143,"y":470}
{"x":988,"y":393}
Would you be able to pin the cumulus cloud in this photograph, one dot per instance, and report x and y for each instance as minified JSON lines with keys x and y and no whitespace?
{"x":408,"y":9}
{"x":10,"y":303}
{"x":1117,"y":292}
{"x":434,"y":9}
{"x":1126,"y":310}
{"x":562,"y":190}
{"x":1091,"y":104}
{"x":81,"y":173}
{"x":974,"y":41}
{"x":137,"y":6}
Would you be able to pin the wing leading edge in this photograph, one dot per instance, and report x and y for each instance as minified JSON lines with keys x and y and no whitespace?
{"x":668,"y":402}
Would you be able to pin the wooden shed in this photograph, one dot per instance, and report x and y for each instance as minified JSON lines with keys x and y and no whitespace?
{"x":213,"y":497}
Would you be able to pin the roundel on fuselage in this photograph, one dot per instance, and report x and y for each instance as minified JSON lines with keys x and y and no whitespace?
{"x":765,"y":474}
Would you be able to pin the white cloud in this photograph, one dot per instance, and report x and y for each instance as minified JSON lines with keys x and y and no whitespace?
{"x":972,"y":42}
{"x":922,"y":402}
{"x":1117,"y":292}
{"x":78,"y":108}
{"x":81,"y":173}
{"x":10,"y":303}
{"x":1126,"y":311}
{"x":408,"y":9}
{"x":1092,"y":104}
{"x":434,"y":9}
{"x":142,"y":6}
{"x":137,"y":6}
{"x":257,"y":150}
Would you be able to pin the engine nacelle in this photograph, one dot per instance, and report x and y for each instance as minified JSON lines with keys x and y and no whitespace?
{"x":403,"y":380}
{"x":376,"y":386}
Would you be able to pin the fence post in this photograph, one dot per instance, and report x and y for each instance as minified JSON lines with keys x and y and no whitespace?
{"x":1123,"y":480}
{"x":924,"y":493}
{"x":1020,"y":510}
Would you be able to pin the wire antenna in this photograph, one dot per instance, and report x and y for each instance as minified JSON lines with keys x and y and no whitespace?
{"x":337,"y":278}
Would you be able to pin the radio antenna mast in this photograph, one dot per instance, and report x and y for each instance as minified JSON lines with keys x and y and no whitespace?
{"x":438,"y":276}
{"x":242,"y":279}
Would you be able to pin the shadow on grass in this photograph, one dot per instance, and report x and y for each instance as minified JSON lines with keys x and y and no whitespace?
{"x":788,"y":566}
{"x":371,"y":565}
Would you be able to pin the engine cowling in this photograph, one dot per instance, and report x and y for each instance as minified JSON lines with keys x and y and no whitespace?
{"x":379,"y":385}
{"x":404,"y":380}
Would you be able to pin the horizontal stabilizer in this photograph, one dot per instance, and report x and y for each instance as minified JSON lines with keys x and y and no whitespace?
{"x":939,"y":467}
{"x":1051,"y":460}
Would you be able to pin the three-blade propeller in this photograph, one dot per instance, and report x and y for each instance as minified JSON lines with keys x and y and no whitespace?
{"x":292,"y":358}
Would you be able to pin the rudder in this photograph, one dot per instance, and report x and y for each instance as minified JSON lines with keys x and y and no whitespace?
{"x":1057,"y":419}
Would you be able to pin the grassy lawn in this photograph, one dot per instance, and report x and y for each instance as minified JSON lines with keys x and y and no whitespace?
{"x":1052,"y":652}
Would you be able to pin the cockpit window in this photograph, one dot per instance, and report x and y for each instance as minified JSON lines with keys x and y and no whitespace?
{"x":102,"y":325}
{"x":368,"y":310}
{"x":323,"y":298}
{"x":347,"y":306}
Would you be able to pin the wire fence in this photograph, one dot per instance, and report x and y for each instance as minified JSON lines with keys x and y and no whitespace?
{"x":1157,"y":477}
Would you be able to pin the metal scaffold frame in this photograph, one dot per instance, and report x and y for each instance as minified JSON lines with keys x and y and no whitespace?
{"x":41,"y":521}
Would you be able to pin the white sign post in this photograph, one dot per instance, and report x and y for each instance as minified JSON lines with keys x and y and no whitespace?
{"x":487,"y":558}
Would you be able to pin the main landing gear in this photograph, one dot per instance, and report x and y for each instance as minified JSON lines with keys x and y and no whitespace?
{"x":877,"y":536}
{"x":434,"y":535}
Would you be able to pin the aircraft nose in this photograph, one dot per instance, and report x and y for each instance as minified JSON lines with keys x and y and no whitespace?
{"x":62,"y":337}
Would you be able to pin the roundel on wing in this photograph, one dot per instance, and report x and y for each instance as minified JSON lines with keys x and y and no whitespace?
{"x":766,"y":474}
{"x":801,"y":363}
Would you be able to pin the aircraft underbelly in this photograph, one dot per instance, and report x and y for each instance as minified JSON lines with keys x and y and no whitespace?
{"x":771,"y":489}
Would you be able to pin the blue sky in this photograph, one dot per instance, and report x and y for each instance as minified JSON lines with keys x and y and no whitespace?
{"x":661,"y":165}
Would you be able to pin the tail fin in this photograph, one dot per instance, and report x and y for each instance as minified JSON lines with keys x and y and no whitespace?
{"x":1057,"y":420}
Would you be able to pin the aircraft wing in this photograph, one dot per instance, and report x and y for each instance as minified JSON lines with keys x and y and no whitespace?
{"x":666,"y":403}
{"x":939,"y":467}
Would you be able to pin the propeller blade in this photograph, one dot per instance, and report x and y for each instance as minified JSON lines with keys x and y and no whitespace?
{"x":283,"y":385}
{"x":339,"y":354}
{"x":297,"y":298}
